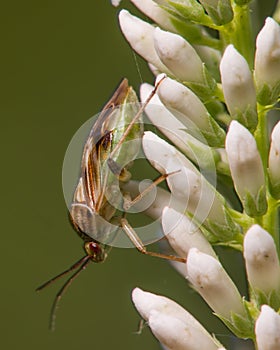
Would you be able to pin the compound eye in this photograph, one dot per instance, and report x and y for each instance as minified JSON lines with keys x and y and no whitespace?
{"x":93,"y":248}
{"x":95,"y":251}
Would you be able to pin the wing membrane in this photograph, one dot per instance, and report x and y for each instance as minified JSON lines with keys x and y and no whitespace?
{"x":96,"y":151}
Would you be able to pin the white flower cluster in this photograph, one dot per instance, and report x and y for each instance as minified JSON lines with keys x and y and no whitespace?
{"x":213,"y":107}
{"x":177,"y":329}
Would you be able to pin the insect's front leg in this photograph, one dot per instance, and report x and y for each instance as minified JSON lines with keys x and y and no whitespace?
{"x":128,"y":202}
{"x":136,"y":240}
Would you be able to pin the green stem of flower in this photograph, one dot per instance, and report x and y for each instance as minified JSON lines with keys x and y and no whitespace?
{"x":239,"y":33}
{"x":211,"y":42}
{"x":261,"y":135}
{"x":219,"y":92}
{"x":276,"y":14}
{"x":242,"y":218}
{"x":270,"y":220}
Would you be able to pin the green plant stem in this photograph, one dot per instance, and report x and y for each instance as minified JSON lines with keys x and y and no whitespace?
{"x":239,"y":33}
{"x":271,"y":220}
{"x":261,"y":135}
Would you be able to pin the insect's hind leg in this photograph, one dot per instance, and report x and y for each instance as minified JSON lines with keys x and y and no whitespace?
{"x":139,"y":245}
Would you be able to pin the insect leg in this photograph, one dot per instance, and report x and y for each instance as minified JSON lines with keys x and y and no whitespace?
{"x":129,"y":203}
{"x":111,"y":163}
{"x":141,"y":326}
{"x":135,"y":239}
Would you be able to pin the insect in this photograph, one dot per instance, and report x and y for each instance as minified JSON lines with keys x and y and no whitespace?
{"x":104,"y":168}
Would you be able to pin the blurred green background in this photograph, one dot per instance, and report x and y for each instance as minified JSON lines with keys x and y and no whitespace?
{"x":61,"y":61}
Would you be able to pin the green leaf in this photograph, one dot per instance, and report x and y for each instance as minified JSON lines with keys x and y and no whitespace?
{"x":215,"y":137}
{"x":255,"y":205}
{"x":272,"y":298}
{"x":268,"y":95}
{"x":221,"y":13}
{"x":247,"y":117}
{"x":191,"y":10}
{"x":191,"y":32}
{"x":205,"y":90}
{"x":242,"y":2}
{"x":224,"y":233}
{"x":241,"y":326}
{"x":274,"y":188}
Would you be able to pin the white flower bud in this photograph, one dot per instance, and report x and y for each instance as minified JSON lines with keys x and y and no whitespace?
{"x":183,"y":103}
{"x":246,"y":168}
{"x":183,"y":234}
{"x":267,"y":61}
{"x":146,"y":302}
{"x":191,"y":186}
{"x":154,"y":69}
{"x":162,"y":314}
{"x":179,"y":267}
{"x":176,"y":131}
{"x":175,"y":334}
{"x":267,"y":329}
{"x":164,"y":157}
{"x":267,"y":58}
{"x":274,"y":161}
{"x":238,"y":87}
{"x":187,"y":185}
{"x":115,"y":2}
{"x":151,"y":9}
{"x":211,"y":281}
{"x":140,"y":34}
{"x":188,"y":108}
{"x":261,"y":260}
{"x":178,"y":56}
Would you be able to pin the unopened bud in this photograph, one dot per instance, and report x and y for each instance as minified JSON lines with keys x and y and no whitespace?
{"x":267,"y":63}
{"x":274,"y":162}
{"x":246,"y":169}
{"x":238,"y":88}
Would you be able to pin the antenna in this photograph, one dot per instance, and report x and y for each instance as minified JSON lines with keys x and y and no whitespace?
{"x":80,"y":265}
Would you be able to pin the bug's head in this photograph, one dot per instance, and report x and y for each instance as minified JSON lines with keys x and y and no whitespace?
{"x":95,"y":251}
